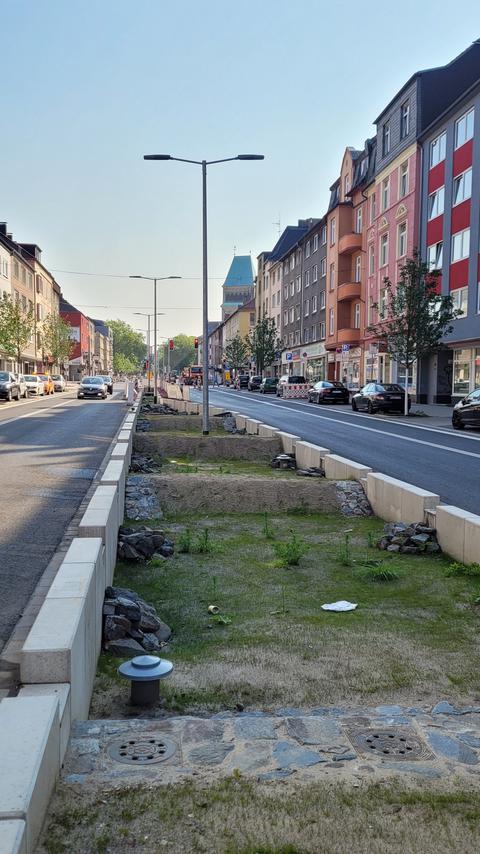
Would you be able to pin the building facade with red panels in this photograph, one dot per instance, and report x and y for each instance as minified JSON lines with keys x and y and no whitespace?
{"x":82,"y":357}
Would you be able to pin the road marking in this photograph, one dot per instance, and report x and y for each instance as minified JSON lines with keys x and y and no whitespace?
{"x":373,"y":430}
{"x":33,"y":414}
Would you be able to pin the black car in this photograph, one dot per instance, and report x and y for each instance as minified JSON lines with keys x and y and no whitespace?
{"x":466,"y":413}
{"x":374,"y":397}
{"x":108,"y":382}
{"x":269,"y":385}
{"x":328,"y":392}
{"x":254,"y":383}
{"x":9,"y":386}
{"x":242,"y":381}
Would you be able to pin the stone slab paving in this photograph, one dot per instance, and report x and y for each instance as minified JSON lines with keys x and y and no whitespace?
{"x":268,"y":746}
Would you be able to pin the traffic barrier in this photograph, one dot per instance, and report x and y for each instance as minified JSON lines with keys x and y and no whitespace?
{"x":288,"y":441}
{"x":395,"y":501}
{"x":252,"y":426}
{"x":102,"y":519}
{"x":115,"y":474}
{"x":62,"y":692}
{"x":13,"y":839}
{"x":308,"y":455}
{"x":295,"y":391}
{"x":268,"y":432}
{"x":340,"y":468}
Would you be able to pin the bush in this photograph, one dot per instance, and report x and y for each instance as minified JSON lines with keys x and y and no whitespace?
{"x":471,"y":570}
{"x":380,"y":574}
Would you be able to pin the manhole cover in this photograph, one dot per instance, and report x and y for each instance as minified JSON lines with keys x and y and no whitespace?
{"x":142,"y":750}
{"x":393,"y":744}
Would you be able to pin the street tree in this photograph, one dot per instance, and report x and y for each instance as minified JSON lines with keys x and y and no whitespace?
{"x":16,"y":328}
{"x":413,"y":317}
{"x":184,"y":353}
{"x":263,"y":343}
{"x":237,"y":352}
{"x":129,"y":348}
{"x":56,"y":339}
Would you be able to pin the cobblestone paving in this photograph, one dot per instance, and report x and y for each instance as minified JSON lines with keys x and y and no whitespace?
{"x":344,"y":742}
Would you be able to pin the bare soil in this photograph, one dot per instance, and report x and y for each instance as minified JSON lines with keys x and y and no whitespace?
{"x":212,"y":447}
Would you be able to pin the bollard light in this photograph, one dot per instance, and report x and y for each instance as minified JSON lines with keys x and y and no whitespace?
{"x":145,"y":672}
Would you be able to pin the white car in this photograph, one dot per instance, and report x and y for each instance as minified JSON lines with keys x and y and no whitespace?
{"x":59,"y":383}
{"x":23,"y":386}
{"x":34,"y":385}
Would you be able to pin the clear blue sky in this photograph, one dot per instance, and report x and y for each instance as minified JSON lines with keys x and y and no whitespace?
{"x":89,"y":86}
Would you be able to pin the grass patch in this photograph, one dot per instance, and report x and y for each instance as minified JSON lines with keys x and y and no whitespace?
{"x":189,"y":465}
{"x":238,"y":816}
{"x":413,"y":637}
{"x":471,"y":570}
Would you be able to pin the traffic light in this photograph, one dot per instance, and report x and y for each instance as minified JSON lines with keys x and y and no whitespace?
{"x":195,"y":343}
{"x":171,"y":344}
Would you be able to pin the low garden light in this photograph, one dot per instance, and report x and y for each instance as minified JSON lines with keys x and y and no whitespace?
{"x":145,"y":672}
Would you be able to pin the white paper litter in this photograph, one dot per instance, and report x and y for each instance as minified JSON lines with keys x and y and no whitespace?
{"x":342,"y":605}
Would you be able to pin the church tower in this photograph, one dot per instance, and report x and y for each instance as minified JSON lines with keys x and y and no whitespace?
{"x":238,"y":287}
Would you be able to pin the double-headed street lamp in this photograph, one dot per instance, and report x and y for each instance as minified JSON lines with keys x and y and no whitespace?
{"x":148,"y":316}
{"x":204,"y":164}
{"x":155,"y":279}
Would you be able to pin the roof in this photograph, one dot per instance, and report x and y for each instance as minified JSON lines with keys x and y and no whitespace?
{"x":287,"y":240}
{"x":240,"y":272}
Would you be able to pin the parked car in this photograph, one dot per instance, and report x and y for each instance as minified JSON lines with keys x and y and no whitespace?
{"x":108,"y":383}
{"x":328,"y":392}
{"x":254,"y":383}
{"x":9,"y":386}
{"x":59,"y":383}
{"x":374,"y":397}
{"x":241,"y":381}
{"x":23,"y":385}
{"x":466,"y":413}
{"x":269,"y":385}
{"x":92,"y":387}
{"x":293,"y":379}
{"x":47,"y":383}
{"x":34,"y":385}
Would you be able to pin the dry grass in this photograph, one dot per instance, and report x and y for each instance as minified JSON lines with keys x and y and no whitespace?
{"x":240,"y":817}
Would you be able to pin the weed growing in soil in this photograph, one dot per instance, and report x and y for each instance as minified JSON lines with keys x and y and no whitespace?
{"x":267,"y":528}
{"x":184,"y":541}
{"x":380,"y":574}
{"x":471,"y":570}
{"x":203,"y":544}
{"x":345,"y":554}
{"x":291,"y":551}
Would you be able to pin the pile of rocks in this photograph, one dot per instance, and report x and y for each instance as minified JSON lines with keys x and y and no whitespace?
{"x":141,"y":501}
{"x":284,"y":461}
{"x":311,"y":472}
{"x":407,"y":539}
{"x":142,"y":463}
{"x":352,"y":499}
{"x":143,"y":426}
{"x":230,"y":425}
{"x":142,"y":543}
{"x":158,"y":409}
{"x":130,"y":625}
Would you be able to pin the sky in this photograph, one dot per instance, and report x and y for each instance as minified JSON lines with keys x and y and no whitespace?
{"x":90,"y":86}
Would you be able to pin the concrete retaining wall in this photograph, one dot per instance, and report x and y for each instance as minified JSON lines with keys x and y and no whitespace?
{"x":102,"y":519}
{"x":340,"y":468}
{"x":308,"y":455}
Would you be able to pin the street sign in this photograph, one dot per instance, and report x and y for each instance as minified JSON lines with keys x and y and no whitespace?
{"x":277,"y":354}
{"x":288,"y":357}
{"x":345,"y":348}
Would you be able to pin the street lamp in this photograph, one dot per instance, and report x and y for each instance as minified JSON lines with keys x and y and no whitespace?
{"x":148,"y":316}
{"x":155,"y":279}
{"x":204,"y":164}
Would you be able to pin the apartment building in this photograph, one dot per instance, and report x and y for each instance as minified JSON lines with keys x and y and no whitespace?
{"x":103,"y":347}
{"x":18,"y":271}
{"x":82,"y":358}
{"x":47,"y":299}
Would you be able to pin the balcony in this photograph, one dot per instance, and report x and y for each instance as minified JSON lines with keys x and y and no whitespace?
{"x":350,"y":243}
{"x":349,"y":335}
{"x":349,"y":291}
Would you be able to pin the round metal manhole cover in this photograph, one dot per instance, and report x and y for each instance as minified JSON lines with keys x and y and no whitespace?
{"x":390,"y":744}
{"x":142,"y":750}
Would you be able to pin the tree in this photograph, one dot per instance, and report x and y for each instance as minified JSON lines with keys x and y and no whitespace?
{"x":56,"y":337}
{"x":16,"y":327}
{"x":263,"y":343}
{"x":237,"y":352}
{"x":184,"y":352}
{"x":413,"y":318}
{"x":129,"y":348}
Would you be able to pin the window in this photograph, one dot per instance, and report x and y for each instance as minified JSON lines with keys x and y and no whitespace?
{"x":460,"y":245}
{"x":436,"y":203}
{"x":464,"y":128}
{"x":333,"y":231}
{"x":435,"y":256}
{"x":462,"y":187}
{"x":478,"y":298}
{"x":402,"y":240}
{"x":324,"y":235}
{"x":385,"y":193}
{"x":307,"y":249}
{"x":356,"y":316}
{"x":404,"y":119}
{"x":299,"y":256}
{"x":297,"y":336}
{"x":314,"y":273}
{"x":386,"y":139}
{"x":346,"y":185}
{"x":292,"y":314}
{"x":292,"y":261}
{"x":461,"y":371}
{"x":315,"y":242}
{"x":306,"y":335}
{"x":322,"y":330}
{"x":290,"y":338}
{"x":383,"y":302}
{"x":359,"y":220}
{"x":314,"y":304}
{"x":358,"y":268}
{"x":292,"y":288}
{"x":371,"y":259}
{"x":306,"y":308}
{"x":438,"y":149}
{"x":285,"y":291}
{"x":331,"y":322}
{"x":298,"y":282}
{"x":403,"y":180}
{"x":297,"y":311}
{"x":322,"y":299}
{"x":383,"y":250}
{"x":460,"y":300}
{"x":307,"y":278}
{"x":373,"y":207}
{"x":323,"y":267}
{"x":285,"y":318}
{"x":332,"y":277}
{"x":15,"y":269}
{"x":370,"y":310}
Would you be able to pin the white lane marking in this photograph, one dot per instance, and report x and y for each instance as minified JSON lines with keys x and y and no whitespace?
{"x":374,"y":430}
{"x":34,"y":414}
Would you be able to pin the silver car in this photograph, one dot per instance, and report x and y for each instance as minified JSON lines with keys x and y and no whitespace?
{"x":59,"y":383}
{"x":23,"y":385}
{"x":34,"y":385}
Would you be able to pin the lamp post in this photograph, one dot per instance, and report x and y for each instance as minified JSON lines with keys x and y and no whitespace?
{"x":155,"y":279}
{"x":148,"y":316}
{"x":204,"y":164}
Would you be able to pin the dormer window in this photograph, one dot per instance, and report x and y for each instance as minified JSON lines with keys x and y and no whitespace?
{"x":386,"y":139}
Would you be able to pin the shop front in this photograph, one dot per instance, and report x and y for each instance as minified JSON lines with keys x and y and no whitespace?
{"x":466,"y":371}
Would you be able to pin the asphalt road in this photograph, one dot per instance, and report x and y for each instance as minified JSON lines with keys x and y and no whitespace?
{"x":438,"y":459}
{"x":50,"y":449}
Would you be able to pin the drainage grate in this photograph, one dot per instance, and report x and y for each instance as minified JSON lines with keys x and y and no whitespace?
{"x":142,"y":750}
{"x":392,"y":744}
